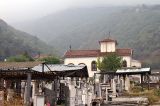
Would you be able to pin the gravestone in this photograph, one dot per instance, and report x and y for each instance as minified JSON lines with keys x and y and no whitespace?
{"x":67,"y":96}
{"x":39,"y":100}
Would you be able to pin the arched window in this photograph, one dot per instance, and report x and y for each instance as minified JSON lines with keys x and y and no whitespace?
{"x":124,"y":63}
{"x":94,"y":66}
{"x":82,"y":64}
{"x":71,"y":64}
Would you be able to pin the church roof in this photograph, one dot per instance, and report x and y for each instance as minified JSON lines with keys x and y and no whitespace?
{"x":95,"y":53}
{"x":124,"y":51}
{"x":108,"y":40}
{"x":82,"y":53}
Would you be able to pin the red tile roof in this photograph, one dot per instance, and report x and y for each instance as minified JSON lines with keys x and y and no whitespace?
{"x":82,"y":53}
{"x":107,"y":40}
{"x":124,"y":52}
{"x":95,"y":53}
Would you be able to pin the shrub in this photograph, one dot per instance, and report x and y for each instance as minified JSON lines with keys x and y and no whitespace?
{"x":152,"y":99}
{"x":136,"y":89}
{"x":157,"y":92}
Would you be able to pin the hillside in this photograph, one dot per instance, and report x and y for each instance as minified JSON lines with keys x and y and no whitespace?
{"x":14,"y":42}
{"x":135,"y":27}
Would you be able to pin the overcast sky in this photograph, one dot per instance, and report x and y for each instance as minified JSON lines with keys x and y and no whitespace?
{"x":22,"y":10}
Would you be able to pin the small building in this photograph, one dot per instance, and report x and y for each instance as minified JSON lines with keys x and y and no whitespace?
{"x":89,"y":57}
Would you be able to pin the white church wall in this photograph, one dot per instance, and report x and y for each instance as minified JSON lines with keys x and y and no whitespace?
{"x":128,"y":60}
{"x":108,"y":46}
{"x":86,"y":60}
{"x":136,"y":63}
{"x":103,"y":47}
{"x":111,"y":47}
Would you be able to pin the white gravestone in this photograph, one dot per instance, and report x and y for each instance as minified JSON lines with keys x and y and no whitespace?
{"x":38,"y":100}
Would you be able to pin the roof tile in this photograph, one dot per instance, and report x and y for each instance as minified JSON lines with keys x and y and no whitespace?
{"x":95,"y":53}
{"x":108,"y":40}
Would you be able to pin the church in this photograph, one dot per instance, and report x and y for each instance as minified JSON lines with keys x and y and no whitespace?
{"x":89,"y":57}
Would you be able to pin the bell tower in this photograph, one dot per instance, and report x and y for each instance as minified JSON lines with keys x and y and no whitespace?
{"x":108,"y":45}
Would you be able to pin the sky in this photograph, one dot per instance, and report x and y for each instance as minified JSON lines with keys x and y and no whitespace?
{"x":23,"y":10}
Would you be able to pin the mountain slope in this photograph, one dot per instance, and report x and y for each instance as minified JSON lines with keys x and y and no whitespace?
{"x":135,"y":27}
{"x":13,"y":42}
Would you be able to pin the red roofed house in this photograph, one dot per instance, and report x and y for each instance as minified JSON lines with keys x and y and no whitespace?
{"x":89,"y":57}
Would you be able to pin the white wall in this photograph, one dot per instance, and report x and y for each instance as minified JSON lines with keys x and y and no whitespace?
{"x":86,"y":60}
{"x":38,"y":100}
{"x":136,"y":63}
{"x":103,"y":47}
{"x":108,"y":46}
{"x":111,"y":47}
{"x":128,"y":60}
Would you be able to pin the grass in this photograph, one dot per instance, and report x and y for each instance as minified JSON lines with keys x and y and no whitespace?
{"x":15,"y":101}
{"x":153,"y":95}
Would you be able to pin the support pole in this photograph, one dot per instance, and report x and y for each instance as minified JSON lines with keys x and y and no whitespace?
{"x":118,"y":77}
{"x":114,"y":87}
{"x":127,"y":83}
{"x":120,"y":83}
{"x":28,"y":89}
{"x":148,"y":81}
{"x":55,"y":88}
{"x":142,"y":81}
{"x":94,"y":84}
{"x":1,"y":91}
{"x":1,"y":83}
{"x":106,"y":94}
{"x":123,"y":83}
{"x":104,"y":78}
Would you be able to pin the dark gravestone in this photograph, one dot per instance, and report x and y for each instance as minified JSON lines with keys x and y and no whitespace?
{"x":67,"y":96}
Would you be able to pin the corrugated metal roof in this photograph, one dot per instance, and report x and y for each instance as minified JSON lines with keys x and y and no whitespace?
{"x":134,"y":70}
{"x":64,"y":70}
{"x":58,"y":67}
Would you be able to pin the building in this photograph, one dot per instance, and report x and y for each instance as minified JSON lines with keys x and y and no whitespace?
{"x":89,"y":57}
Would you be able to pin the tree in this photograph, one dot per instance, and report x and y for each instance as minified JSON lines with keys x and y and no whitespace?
{"x":19,"y":58}
{"x":51,"y":60}
{"x":110,"y":62}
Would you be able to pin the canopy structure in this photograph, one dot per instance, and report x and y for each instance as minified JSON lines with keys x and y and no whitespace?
{"x":19,"y":70}
{"x":37,"y":71}
{"x":129,"y":71}
{"x":40,"y":70}
{"x":63,"y":70}
{"x":18,"y":65}
{"x":132,"y":71}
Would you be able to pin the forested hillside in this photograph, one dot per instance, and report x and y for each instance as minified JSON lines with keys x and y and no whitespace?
{"x":135,"y":27}
{"x":14,"y":42}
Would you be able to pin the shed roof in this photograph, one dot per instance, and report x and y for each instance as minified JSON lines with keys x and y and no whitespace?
{"x":64,"y":70}
{"x":128,"y":71}
{"x":40,"y":70}
{"x":133,"y":70}
{"x":18,"y":65}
